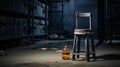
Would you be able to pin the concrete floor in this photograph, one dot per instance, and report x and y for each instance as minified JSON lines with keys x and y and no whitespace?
{"x":34,"y":56}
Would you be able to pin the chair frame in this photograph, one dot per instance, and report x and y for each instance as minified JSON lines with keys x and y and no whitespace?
{"x":88,"y":34}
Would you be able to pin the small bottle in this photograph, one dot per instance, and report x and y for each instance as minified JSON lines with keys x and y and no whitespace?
{"x":65,"y":53}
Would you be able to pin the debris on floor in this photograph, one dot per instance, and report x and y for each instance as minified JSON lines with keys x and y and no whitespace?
{"x":45,"y":48}
{"x":56,"y":36}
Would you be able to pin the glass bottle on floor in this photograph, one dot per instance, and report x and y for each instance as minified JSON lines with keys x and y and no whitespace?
{"x":65,"y":53}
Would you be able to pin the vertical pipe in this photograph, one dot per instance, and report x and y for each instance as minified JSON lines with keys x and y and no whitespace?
{"x":32,"y":37}
{"x":62,"y":16}
{"x":28,"y":21}
{"x":46,"y":29}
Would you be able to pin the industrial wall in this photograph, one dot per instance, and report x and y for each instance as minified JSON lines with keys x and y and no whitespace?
{"x":21,"y":20}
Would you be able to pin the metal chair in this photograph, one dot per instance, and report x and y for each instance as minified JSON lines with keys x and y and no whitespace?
{"x":88,"y":34}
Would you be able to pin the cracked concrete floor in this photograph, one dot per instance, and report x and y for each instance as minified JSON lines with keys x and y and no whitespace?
{"x":34,"y":56}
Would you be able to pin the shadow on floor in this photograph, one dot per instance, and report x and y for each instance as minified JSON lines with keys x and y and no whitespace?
{"x":108,"y":57}
{"x":27,"y":65}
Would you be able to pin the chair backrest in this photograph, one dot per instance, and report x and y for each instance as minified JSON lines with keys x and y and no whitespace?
{"x":84,"y":15}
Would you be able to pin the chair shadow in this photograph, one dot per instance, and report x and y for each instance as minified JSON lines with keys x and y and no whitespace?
{"x":107,"y":57}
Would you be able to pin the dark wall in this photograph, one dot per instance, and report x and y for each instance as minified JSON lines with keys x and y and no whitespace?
{"x":73,"y":6}
{"x":113,"y":18}
{"x":101,"y":19}
{"x":109,"y":19}
{"x":69,"y":16}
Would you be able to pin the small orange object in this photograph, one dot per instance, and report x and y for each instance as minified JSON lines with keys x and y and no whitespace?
{"x":65,"y":53}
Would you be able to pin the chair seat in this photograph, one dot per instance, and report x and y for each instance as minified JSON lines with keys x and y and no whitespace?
{"x":83,"y":31}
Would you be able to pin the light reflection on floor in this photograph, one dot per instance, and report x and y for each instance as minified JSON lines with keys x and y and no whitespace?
{"x":30,"y":55}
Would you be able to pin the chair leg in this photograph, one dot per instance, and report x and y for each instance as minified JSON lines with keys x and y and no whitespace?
{"x":74,"y":45}
{"x":93,"y":48}
{"x":87,"y":48}
{"x":78,"y":47}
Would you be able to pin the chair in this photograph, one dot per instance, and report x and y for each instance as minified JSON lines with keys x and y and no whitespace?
{"x":88,"y":34}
